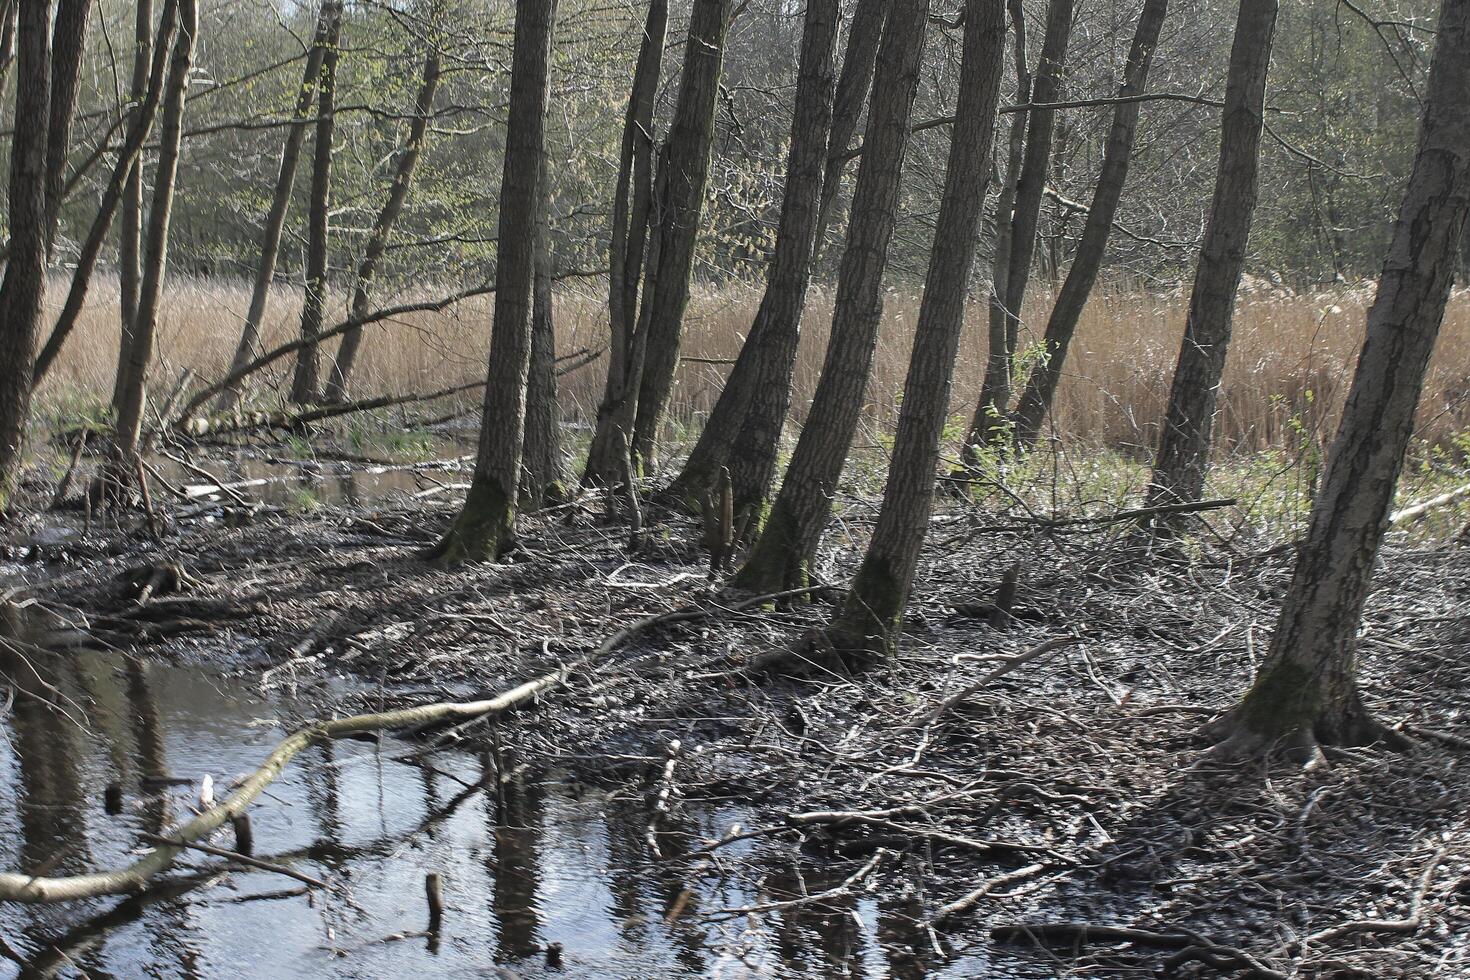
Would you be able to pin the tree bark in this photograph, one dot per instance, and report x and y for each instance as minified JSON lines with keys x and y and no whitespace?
{"x":139,"y":128}
{"x":485,"y":525}
{"x":847,"y":104}
{"x":1036,"y":399}
{"x":275,"y":219}
{"x":377,"y":244}
{"x":305,"y":382}
{"x":542,"y":472}
{"x":685,"y":162}
{"x":24,"y":286}
{"x":868,"y":624}
{"x":787,"y":545}
{"x":128,"y":410}
{"x":751,"y":409}
{"x":130,"y":230}
{"x":68,"y":43}
{"x":995,"y":391}
{"x":1306,"y":692}
{"x":607,"y":455}
{"x":1184,"y":445}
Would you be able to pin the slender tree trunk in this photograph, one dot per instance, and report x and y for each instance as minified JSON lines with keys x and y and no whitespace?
{"x":847,"y":104}
{"x":130,"y":230}
{"x":24,"y":286}
{"x":686,"y":164}
{"x":1306,"y":692}
{"x":607,"y":455}
{"x":868,"y":624}
{"x":305,"y":382}
{"x":1184,"y":445}
{"x":486,"y":524}
{"x":752,"y":407}
{"x":275,"y":219}
{"x":995,"y":392}
{"x":377,"y":244}
{"x":782,"y":555}
{"x":8,"y":12}
{"x":127,"y":157}
{"x":68,"y":43}
{"x":128,"y":410}
{"x":1036,"y":399}
{"x":542,"y":469}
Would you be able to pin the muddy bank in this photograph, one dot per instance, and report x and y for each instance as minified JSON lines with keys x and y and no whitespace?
{"x":877,"y":833}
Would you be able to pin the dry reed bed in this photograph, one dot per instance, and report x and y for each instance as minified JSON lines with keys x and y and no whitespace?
{"x":1288,"y":371}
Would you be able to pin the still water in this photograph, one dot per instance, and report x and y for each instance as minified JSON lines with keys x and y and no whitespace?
{"x":542,"y":861}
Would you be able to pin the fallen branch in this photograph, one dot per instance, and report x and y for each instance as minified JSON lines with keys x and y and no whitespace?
{"x":238,"y":858}
{"x":1006,"y":666}
{"x":964,"y":904}
{"x":1412,"y":513}
{"x":134,"y":878}
{"x":841,"y":891}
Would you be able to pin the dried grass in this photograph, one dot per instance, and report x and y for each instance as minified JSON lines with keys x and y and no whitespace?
{"x":1289,"y":366}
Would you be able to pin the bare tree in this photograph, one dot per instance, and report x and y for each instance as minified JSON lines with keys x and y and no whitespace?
{"x":68,"y":43}
{"x":782,"y":555}
{"x":632,"y":197}
{"x":847,"y":103}
{"x":752,"y":407}
{"x":486,"y":524}
{"x":128,"y":409}
{"x":305,"y":382}
{"x":684,"y":167}
{"x":868,"y":623}
{"x":139,"y":127}
{"x":995,"y":392}
{"x":130,"y":228}
{"x":377,"y":243}
{"x":542,"y":472}
{"x":1306,"y":692}
{"x":24,"y":287}
{"x":275,"y":219}
{"x":1036,"y":398}
{"x":1184,"y":445}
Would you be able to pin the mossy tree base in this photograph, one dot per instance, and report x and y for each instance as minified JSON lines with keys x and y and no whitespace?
{"x":483,"y":531}
{"x":1292,"y":712}
{"x":777,"y":562}
{"x":866,"y":630}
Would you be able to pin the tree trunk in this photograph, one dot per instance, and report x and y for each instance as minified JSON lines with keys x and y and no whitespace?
{"x":275,"y":219}
{"x":782,"y":555}
{"x":68,"y":43}
{"x":607,"y":455}
{"x":1306,"y":692}
{"x":752,"y":407}
{"x":1036,"y":399}
{"x":130,"y":232}
{"x":686,"y":166}
{"x":485,"y":525}
{"x":1184,"y":445}
{"x":868,"y":624}
{"x":542,"y":473}
{"x":24,"y":286}
{"x":127,"y":157}
{"x":128,"y":410}
{"x":995,"y":391}
{"x":377,"y":244}
{"x":847,"y":105}
{"x":305,"y":381}
{"x":8,"y":11}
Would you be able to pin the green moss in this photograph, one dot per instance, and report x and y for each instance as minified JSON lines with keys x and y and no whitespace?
{"x":1285,"y":698}
{"x":776,"y":562}
{"x":482,"y":531}
{"x":867,"y":628}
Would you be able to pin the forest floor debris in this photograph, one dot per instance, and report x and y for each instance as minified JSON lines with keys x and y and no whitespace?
{"x":1054,"y":806}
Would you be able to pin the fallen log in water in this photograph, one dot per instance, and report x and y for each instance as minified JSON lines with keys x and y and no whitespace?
{"x":134,"y":878}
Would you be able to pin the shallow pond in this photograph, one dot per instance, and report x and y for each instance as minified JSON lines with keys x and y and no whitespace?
{"x":540,"y":862}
